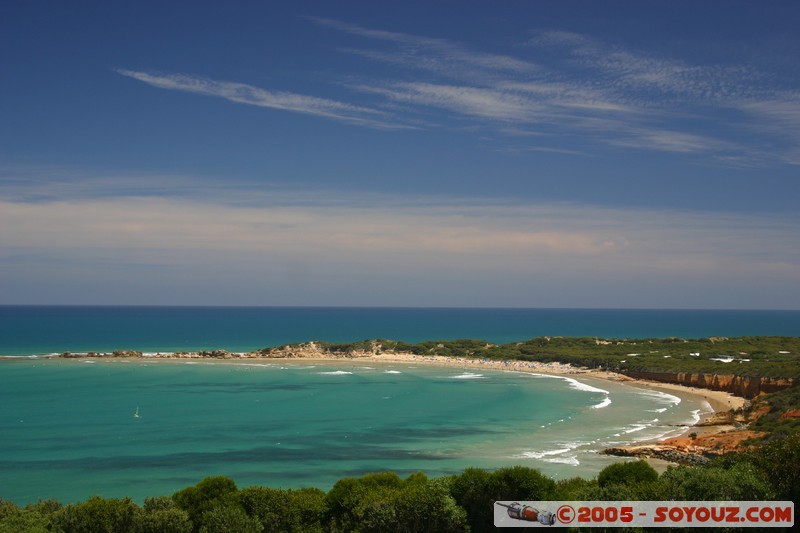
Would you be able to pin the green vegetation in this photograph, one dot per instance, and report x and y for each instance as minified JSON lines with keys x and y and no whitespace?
{"x":384,"y":502}
{"x":626,"y":474}
{"x":780,"y":403}
{"x":774,"y":357}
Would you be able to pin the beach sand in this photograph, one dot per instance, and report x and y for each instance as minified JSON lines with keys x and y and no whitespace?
{"x":719,"y":401}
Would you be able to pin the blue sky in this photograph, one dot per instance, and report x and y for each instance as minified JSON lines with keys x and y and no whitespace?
{"x":521,"y":154}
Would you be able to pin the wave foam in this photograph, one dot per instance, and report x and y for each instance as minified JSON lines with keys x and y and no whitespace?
{"x":661,"y":397}
{"x":547,"y":453}
{"x":635,"y":428}
{"x":695,"y":417}
{"x":468,"y":375}
{"x":569,"y":460}
{"x":557,"y":456}
{"x":335,"y":373}
{"x":579,"y":385}
{"x":605,"y":403}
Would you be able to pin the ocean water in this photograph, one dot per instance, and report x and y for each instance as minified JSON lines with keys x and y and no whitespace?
{"x":67,"y":428}
{"x":29,"y":330}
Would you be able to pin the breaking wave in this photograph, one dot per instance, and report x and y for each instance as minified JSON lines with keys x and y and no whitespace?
{"x":468,"y":375}
{"x":605,"y":403}
{"x":579,"y":385}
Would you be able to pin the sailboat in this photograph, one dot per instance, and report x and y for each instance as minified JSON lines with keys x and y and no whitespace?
{"x":136,"y":413}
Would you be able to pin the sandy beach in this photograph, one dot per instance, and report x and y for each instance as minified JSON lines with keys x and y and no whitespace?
{"x":720,"y":401}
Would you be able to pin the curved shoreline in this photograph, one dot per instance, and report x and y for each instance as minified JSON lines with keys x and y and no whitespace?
{"x":720,"y":401}
{"x":660,"y":452}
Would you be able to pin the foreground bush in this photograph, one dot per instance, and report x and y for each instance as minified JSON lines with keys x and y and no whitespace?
{"x":384,"y":502}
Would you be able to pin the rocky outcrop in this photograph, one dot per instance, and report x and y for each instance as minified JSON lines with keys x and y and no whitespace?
{"x":723,"y":417}
{"x":665,"y":453}
{"x":218,"y":354}
{"x":690,"y":450}
{"x":126,"y":353}
{"x":743,"y":386}
{"x":316,"y":350}
{"x":303,"y":350}
{"x":115,"y":353}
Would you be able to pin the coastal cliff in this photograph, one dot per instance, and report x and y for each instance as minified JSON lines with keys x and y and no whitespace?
{"x":744,"y":386}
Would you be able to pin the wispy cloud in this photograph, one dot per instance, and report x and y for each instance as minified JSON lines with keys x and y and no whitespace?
{"x":247,"y":94}
{"x":622,"y":97}
{"x":648,"y":79}
{"x":439,"y":56}
{"x":671,"y":141}
{"x":778,"y":116}
{"x":557,"y":84}
{"x":472,"y":101}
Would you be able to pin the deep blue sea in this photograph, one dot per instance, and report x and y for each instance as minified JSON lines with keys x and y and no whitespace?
{"x":67,"y":429}
{"x":30,"y":330}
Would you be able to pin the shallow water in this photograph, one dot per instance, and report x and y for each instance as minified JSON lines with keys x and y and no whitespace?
{"x":67,"y":428}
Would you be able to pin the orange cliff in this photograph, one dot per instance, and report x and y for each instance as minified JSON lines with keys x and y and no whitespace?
{"x":718,"y":434}
{"x":743,"y":386}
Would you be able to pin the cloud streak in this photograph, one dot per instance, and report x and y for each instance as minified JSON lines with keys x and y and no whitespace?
{"x":608,"y":94}
{"x":567,"y":85}
{"x":438,"y":56}
{"x":242,"y":93}
{"x":325,"y":224}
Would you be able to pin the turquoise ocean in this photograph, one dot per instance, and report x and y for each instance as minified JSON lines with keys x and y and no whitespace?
{"x":67,"y":429}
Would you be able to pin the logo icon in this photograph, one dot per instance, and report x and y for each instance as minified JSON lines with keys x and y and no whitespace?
{"x":529,"y":514}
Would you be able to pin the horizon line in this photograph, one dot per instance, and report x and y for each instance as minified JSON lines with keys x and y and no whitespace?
{"x":409,"y":307}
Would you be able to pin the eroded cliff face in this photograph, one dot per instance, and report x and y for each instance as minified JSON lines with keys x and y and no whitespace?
{"x":745,"y":387}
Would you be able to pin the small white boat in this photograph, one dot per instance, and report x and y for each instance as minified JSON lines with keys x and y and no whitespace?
{"x":136,"y":413}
